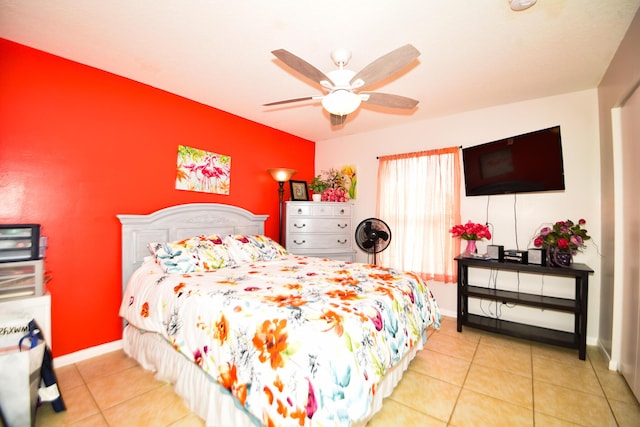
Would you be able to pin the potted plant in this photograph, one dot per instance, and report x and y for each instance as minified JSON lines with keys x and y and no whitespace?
{"x":318,"y":186}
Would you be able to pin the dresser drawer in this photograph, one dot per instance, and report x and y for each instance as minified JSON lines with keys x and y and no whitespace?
{"x":299,"y":210}
{"x":332,"y":209}
{"x":314,"y":225}
{"x":296,"y":241}
{"x":320,"y":210}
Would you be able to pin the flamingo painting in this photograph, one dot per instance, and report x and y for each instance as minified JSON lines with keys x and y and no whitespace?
{"x":203,"y":171}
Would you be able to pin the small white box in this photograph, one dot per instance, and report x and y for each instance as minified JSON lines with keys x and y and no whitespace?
{"x":537,"y":256}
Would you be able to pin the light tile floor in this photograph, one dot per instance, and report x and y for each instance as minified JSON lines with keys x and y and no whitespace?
{"x":460,"y":379}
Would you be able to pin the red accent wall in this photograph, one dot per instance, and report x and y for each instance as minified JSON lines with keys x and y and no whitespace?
{"x":79,"y":145}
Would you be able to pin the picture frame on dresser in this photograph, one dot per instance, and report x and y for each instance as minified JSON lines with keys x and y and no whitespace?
{"x":299,"y":191}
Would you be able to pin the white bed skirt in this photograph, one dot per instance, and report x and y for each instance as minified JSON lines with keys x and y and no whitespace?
{"x":208,"y":399}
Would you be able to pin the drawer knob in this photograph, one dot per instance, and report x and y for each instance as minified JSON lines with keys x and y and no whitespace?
{"x":343,"y":225}
{"x":299,"y":211}
{"x":342,"y":242}
{"x":300,"y":243}
{"x":299,"y":226}
{"x":341,"y":211}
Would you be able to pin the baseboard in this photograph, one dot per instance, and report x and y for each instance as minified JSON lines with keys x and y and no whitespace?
{"x":593,"y":341}
{"x":448,"y":313}
{"x":87,"y":353}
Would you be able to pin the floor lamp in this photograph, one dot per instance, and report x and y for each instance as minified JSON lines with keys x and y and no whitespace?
{"x":281,"y":175}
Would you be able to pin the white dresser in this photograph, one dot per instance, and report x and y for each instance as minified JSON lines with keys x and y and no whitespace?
{"x":321,"y":229}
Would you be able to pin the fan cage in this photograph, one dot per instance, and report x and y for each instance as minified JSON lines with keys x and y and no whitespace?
{"x":363,"y":235}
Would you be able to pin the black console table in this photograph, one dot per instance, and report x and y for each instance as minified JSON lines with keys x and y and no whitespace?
{"x":577,"y":306}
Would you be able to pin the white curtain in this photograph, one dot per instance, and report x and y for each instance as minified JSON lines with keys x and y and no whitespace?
{"x":419,"y":198}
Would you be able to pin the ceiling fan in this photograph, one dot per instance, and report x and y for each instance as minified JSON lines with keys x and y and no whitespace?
{"x":343,"y":86}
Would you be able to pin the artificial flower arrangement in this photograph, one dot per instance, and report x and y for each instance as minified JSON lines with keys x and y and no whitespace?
{"x":471,"y":231}
{"x":563,"y":236}
{"x":335,"y":195}
{"x":331,"y":184}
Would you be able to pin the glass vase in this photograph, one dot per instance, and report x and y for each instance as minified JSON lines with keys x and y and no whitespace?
{"x":471,"y":247}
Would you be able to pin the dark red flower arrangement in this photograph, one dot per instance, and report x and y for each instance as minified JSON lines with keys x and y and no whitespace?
{"x":565,"y":236}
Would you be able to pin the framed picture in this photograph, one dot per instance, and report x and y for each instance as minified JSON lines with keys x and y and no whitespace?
{"x":299,"y":190}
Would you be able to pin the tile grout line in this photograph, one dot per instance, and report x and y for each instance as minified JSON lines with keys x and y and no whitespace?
{"x":604,"y":395}
{"x":604,"y":392}
{"x":533,"y":393}
{"x":93,"y":399}
{"x":455,"y":404}
{"x":86,"y":385}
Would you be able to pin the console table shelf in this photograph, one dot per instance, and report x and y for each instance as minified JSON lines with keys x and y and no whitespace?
{"x":519,"y":330}
{"x":577,"y":306}
{"x":540,"y":301}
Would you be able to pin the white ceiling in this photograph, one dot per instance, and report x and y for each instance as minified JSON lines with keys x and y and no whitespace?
{"x":475,"y":53}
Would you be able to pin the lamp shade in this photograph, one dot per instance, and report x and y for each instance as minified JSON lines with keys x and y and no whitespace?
{"x":281,"y":174}
{"x":341,"y":102}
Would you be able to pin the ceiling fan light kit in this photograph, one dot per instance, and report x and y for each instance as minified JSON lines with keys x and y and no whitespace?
{"x":341,"y":102}
{"x":519,"y":5}
{"x":342,"y":85}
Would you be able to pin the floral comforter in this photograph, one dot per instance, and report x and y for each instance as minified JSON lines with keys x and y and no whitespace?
{"x":299,"y":341}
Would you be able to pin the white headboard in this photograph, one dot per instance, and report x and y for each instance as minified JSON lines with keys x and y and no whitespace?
{"x":178,"y":222}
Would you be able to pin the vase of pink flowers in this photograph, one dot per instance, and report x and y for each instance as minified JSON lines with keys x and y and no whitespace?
{"x":471,"y":232}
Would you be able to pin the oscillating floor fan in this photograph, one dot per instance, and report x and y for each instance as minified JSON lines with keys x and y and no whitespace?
{"x":373,"y":236}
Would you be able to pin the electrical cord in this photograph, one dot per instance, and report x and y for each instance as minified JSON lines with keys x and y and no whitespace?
{"x":542,"y":288}
{"x":513,"y":304}
{"x":515,"y":219}
{"x":491,"y":284}
{"x":486,"y":217}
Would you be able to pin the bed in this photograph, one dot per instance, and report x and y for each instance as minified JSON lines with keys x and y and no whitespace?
{"x":251,"y":335}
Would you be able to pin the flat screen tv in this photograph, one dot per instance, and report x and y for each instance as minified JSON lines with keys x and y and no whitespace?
{"x":525,"y":163}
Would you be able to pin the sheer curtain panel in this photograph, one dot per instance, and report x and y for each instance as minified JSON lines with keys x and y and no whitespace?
{"x":419,"y":198}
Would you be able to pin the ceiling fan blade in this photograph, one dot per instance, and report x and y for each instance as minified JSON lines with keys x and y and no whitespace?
{"x":288,"y":101}
{"x":386,"y":65}
{"x":301,"y":66}
{"x":337,"y":120}
{"x":389,"y":100}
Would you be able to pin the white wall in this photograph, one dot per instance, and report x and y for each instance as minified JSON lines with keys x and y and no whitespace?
{"x":618,"y":83}
{"x":577,"y":115}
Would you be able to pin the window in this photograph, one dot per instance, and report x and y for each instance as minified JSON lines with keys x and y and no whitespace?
{"x":419,"y":198}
